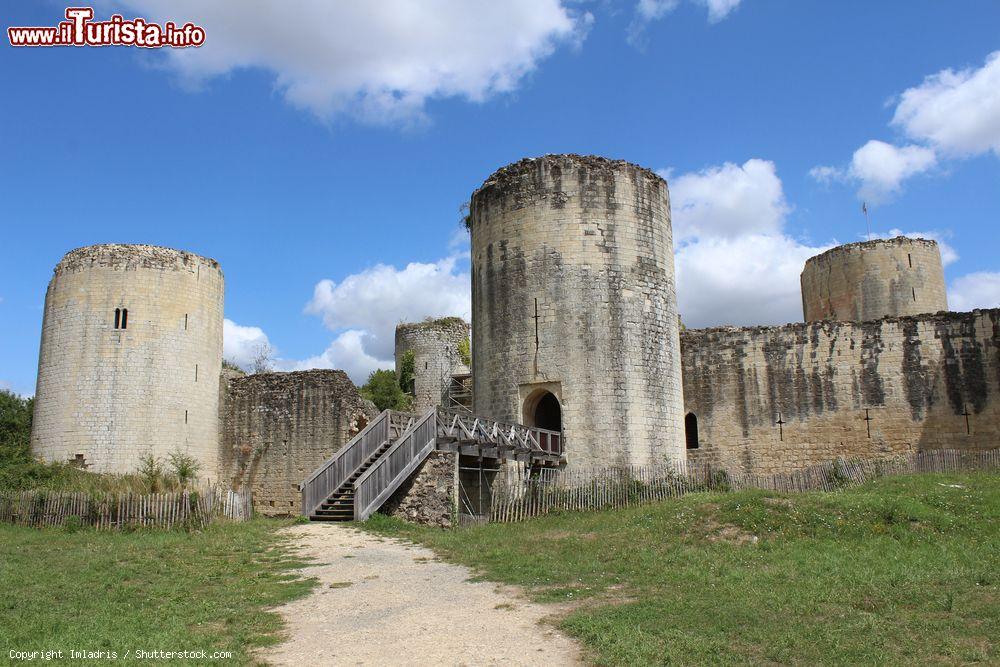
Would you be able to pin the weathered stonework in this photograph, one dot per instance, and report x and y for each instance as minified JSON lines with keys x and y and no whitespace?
{"x":277,"y":428}
{"x":429,"y":496}
{"x":859,"y":282}
{"x":914,"y":377}
{"x":573,"y":293}
{"x":108,"y":396}
{"x":435,"y":345}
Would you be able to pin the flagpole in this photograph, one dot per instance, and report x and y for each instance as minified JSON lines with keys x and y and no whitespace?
{"x":868,"y":218}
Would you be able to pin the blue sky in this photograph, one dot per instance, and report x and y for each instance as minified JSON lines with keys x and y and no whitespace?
{"x":321,"y":156}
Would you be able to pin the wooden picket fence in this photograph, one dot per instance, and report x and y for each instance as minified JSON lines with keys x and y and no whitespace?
{"x":115,"y":511}
{"x":519,"y":493}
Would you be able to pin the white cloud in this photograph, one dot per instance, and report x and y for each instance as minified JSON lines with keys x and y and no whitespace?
{"x":362,"y":311}
{"x":747,"y":280}
{"x":378,"y":61}
{"x":879,"y":169}
{"x":346,"y":352}
{"x":376,"y":299}
{"x":735,"y":264}
{"x":727,"y":201}
{"x":647,"y":11}
{"x":975,"y":290}
{"x":957,"y":112}
{"x":240,"y":343}
{"x":719,"y":9}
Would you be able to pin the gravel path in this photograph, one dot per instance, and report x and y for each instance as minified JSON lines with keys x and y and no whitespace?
{"x":387,"y":602}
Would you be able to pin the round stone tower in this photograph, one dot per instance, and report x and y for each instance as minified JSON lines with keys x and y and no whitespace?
{"x":130,"y":358}
{"x":438,"y":348}
{"x":870,"y":280}
{"x":574,"y":310}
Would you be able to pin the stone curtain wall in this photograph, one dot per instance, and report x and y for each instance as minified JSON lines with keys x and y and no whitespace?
{"x":870,"y":280}
{"x":112,"y":395}
{"x":279,"y":427}
{"x":916,"y":376}
{"x":588,"y":241}
{"x":436,"y":357}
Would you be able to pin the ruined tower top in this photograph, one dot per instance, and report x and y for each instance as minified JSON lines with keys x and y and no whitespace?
{"x":873,"y":279}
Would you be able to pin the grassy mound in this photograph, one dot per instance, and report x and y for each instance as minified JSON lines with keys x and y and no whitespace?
{"x":902,"y":570}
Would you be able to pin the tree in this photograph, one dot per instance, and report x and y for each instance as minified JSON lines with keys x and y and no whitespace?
{"x":383,"y":390}
{"x":263,"y":359}
{"x":15,"y":427}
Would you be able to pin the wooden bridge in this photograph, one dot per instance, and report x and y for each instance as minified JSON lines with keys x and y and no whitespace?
{"x":358,"y":479}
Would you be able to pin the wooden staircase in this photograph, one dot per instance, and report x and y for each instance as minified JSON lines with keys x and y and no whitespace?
{"x":357,"y":480}
{"x":339,"y":506}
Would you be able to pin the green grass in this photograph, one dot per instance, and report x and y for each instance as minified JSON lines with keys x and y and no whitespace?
{"x":169,"y":590}
{"x":904,"y":570}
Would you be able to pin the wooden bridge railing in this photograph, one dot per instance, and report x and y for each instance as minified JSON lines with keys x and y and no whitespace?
{"x":465,"y":428}
{"x":395,"y":466}
{"x":339,"y":467}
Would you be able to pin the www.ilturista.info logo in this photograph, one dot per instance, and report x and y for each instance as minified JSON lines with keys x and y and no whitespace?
{"x":80,"y":30}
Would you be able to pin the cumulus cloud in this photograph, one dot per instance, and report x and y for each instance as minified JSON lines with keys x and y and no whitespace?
{"x":376,"y":299}
{"x":346,"y":352}
{"x":727,"y":201}
{"x":362,"y":311}
{"x":377,"y":61}
{"x":746,"y":280}
{"x":240,"y":343}
{"x":975,"y":290}
{"x":951,"y":114}
{"x":957,"y":112}
{"x":735,"y":264}
{"x":879,"y":169}
{"x":647,"y":11}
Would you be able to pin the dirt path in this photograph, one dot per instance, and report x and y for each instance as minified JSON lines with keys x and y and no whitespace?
{"x":386,"y":602}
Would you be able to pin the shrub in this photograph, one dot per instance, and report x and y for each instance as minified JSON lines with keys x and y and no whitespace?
{"x":185,"y":467}
{"x":383,"y":390}
{"x":151,"y":472}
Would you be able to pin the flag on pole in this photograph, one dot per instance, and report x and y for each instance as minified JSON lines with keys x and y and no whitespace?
{"x":864,"y":207}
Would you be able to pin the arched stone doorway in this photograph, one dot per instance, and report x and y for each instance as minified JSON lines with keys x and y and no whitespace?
{"x":691,"y":430}
{"x":542,"y":410}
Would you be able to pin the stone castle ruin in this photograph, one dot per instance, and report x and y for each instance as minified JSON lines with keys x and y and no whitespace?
{"x":575,"y":335}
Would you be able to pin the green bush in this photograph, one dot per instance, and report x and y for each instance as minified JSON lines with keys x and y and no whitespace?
{"x":384,"y":391}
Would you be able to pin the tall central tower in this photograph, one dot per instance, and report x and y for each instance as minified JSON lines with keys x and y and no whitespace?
{"x":574,"y":323}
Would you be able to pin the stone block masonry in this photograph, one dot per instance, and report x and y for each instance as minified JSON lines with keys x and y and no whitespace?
{"x":574,"y":318}
{"x":130,"y":358}
{"x":891,"y":386}
{"x":435,"y":345}
{"x":866,"y":281}
{"x":277,"y":428}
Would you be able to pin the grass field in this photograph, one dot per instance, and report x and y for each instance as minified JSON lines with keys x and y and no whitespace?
{"x":144,"y":590}
{"x":905,"y":570}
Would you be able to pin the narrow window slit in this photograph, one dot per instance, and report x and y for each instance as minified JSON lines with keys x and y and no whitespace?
{"x":124,"y":318}
{"x":118,"y":318}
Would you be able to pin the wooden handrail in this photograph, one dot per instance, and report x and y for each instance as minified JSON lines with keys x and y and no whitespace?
{"x":395,"y":466}
{"x":338,"y":468}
